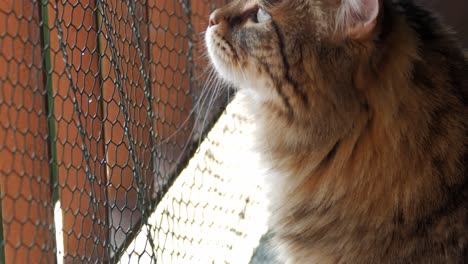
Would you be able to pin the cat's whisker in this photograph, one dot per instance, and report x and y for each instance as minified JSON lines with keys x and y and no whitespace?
{"x":203,"y":73}
{"x":195,"y":109}
{"x":207,"y":87}
{"x":242,"y":72}
{"x":206,"y":110}
{"x":201,"y":33}
{"x":202,"y":56}
{"x":214,"y":96}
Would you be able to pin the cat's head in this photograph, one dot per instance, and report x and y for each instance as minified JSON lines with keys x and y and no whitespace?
{"x":279,"y":48}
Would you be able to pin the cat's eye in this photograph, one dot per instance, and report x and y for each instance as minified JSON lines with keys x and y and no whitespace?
{"x":263,"y":16}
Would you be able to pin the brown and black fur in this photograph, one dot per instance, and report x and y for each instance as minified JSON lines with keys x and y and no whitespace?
{"x":365,"y":135}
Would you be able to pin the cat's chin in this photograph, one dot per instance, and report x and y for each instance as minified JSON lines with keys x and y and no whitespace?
{"x":227,"y":73}
{"x":224,"y":71}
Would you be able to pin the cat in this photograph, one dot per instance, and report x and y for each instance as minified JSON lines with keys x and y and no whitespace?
{"x":362,"y":119}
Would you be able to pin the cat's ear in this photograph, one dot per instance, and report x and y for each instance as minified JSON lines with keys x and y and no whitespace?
{"x":357,"y":18}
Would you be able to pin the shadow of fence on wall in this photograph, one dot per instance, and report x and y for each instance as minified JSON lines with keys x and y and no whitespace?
{"x":98,"y":110}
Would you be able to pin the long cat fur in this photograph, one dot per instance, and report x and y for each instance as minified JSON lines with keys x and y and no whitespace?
{"x":362,"y":125}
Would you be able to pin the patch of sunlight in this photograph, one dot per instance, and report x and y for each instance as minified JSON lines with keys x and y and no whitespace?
{"x":58,"y":232}
{"x":216,"y":211}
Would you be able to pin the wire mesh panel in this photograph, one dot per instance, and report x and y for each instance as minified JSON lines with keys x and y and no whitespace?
{"x":99,"y":112}
{"x":26,"y":185}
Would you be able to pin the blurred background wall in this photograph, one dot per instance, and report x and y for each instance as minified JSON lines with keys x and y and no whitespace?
{"x":454,"y":13}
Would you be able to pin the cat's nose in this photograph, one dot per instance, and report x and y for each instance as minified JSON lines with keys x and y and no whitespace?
{"x":213,"y":21}
{"x":214,"y":18}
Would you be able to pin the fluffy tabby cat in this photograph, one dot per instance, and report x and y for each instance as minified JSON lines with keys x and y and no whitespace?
{"x":361,"y":109}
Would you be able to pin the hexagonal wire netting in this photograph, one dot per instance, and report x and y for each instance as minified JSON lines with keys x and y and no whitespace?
{"x":99,"y":112}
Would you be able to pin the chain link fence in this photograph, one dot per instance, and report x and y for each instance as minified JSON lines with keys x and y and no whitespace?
{"x":102,"y":104}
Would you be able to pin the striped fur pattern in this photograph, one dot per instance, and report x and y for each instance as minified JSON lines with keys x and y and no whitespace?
{"x":361,"y":112}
